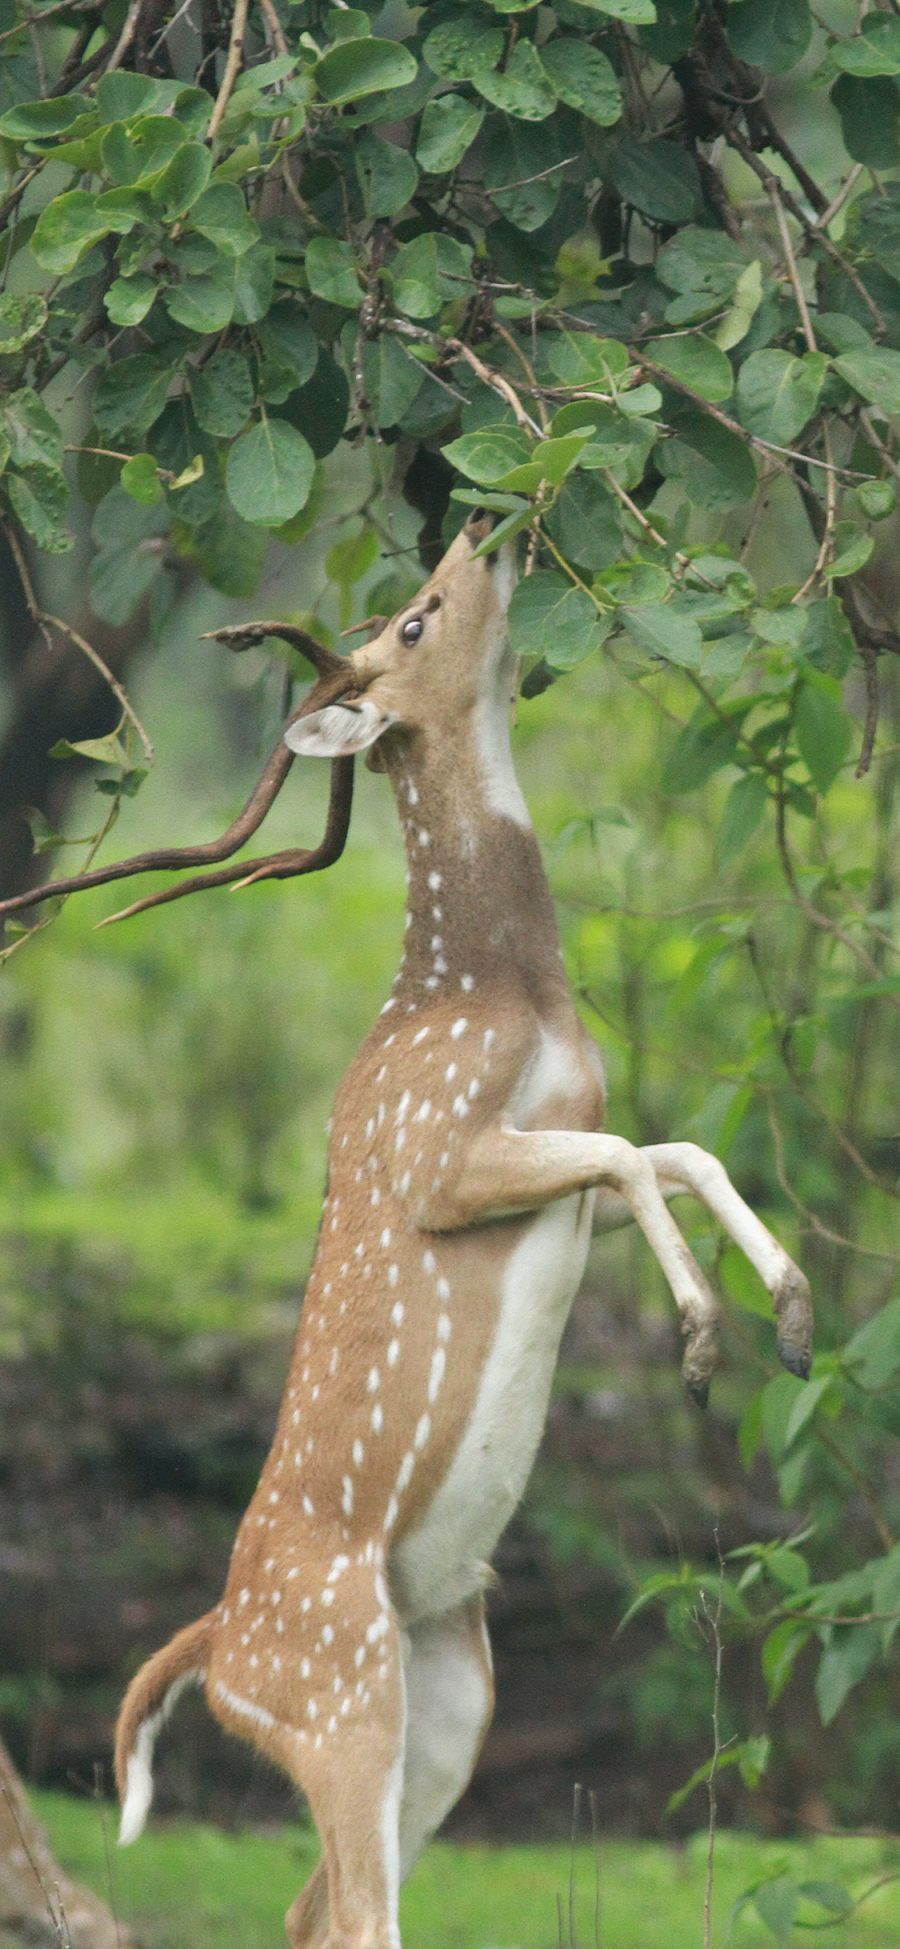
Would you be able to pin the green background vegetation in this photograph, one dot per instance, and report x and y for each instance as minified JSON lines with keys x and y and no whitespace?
{"x":267,"y":327}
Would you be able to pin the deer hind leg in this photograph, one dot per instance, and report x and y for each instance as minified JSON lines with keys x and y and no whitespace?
{"x":324,"y":1697}
{"x":685,"y":1167}
{"x":450,"y":1701}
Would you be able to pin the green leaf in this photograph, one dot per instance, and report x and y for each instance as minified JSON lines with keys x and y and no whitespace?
{"x":129,"y":299}
{"x":523,"y":89}
{"x":100,"y":751}
{"x":748,"y":293}
{"x":138,"y":156}
{"x":696,"y":361}
{"x":549,"y":617}
{"x":351,"y":558}
{"x":846,"y":1658}
{"x":777,"y":1901}
{"x":391,"y":378}
{"x":804,"y":1411}
{"x":701,"y":265}
{"x":40,"y":497}
{"x":449,"y":126}
{"x":222,"y":394}
{"x":124,"y":568}
{"x":702,"y":748}
{"x":414,"y":275}
{"x":581,"y":76}
{"x":822,"y":729}
{"x":853,"y":550}
{"x":254,"y":280}
{"x":659,"y":629}
{"x":184,"y":179}
{"x":580,"y":359}
{"x":461,"y":49}
{"x":332,"y":272}
{"x":587,"y":523}
{"x":877,"y":498}
{"x":22,"y":317}
{"x":34,"y":435}
{"x":488,"y":455}
{"x":363,"y":67}
{"x":872,"y":1354}
{"x":874,"y":50}
{"x":121,"y":96}
{"x":770,"y":34}
{"x":221,"y":214}
{"x":829,"y":1895}
{"x":658,"y":178}
{"x":269,"y":473}
{"x":777,"y":394}
{"x":289,"y":352}
{"x":65,"y":229}
{"x":826,"y":640}
{"x":140,"y":479}
{"x":717,"y":469}
{"x":870,"y":118}
{"x":780,"y":1652}
{"x":637,"y":12}
{"x":387,"y":175}
{"x":874,"y":372}
{"x":744,"y":810}
{"x":131,"y":394}
{"x":203,"y":304}
{"x":36,"y":121}
{"x":522,"y":163}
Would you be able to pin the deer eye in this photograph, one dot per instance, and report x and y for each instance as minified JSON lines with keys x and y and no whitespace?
{"x":412,"y":630}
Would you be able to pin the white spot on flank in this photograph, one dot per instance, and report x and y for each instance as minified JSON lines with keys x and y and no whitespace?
{"x":459,"y":1027}
{"x":393,"y":1275}
{"x":444,"y":1326}
{"x":467,"y":983}
{"x":443,"y":1289}
{"x":393,"y":1355}
{"x":347,"y":1497}
{"x":429,"y":1261}
{"x":489,"y":1038}
{"x":373,"y":1381}
{"x":397,"y":1311}
{"x":385,"y":1238}
{"x":438,"y":1364}
{"x":423,"y":1430}
{"x":435,"y":882}
{"x":424,"y":1111}
{"x":451,"y":1071}
{"x":420,"y":1036}
{"x":358,"y":1453}
{"x":391,"y":1513}
{"x":377,"y":1418}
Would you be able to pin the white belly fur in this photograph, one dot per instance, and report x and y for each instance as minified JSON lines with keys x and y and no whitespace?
{"x":443,"y":1561}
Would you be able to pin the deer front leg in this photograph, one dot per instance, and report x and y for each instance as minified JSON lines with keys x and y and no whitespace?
{"x":504,"y":1171}
{"x":684,"y":1167}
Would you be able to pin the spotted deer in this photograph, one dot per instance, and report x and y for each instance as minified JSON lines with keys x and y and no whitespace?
{"x":467,"y":1165}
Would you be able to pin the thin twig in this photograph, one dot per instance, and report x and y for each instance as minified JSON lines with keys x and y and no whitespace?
{"x":714,"y":1620}
{"x":276,"y":32}
{"x":232,"y":66}
{"x":774,"y":193}
{"x":869,"y":656}
{"x":828,"y":215}
{"x":46,"y":620}
{"x":129,"y":29}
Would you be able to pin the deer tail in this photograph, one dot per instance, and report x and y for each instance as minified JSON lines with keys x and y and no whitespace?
{"x":150,"y":1698}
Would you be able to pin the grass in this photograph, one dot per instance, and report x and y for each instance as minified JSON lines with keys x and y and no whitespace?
{"x":186,"y":1886}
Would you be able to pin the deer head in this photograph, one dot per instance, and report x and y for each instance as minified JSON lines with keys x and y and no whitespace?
{"x":427,"y":667}
{"x":432,"y":666}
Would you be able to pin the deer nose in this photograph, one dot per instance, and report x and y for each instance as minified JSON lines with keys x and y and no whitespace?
{"x":479,"y":524}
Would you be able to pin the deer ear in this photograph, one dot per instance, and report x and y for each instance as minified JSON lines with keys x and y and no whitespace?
{"x":338,"y":730}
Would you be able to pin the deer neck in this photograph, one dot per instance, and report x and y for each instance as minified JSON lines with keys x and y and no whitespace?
{"x":478,"y":904}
